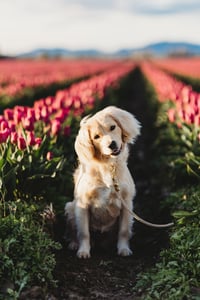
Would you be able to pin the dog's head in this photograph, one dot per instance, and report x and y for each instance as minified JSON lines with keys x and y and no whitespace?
{"x":105,"y":134}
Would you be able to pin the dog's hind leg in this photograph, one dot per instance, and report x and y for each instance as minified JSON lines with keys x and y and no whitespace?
{"x":71,"y":231}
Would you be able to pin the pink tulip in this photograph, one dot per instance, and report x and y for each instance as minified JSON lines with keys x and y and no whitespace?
{"x":17,"y":116}
{"x":38,"y":142}
{"x":171,"y":115}
{"x":49,"y":100}
{"x":11,"y":125}
{"x":31,"y":114}
{"x":14,"y":137}
{"x":4,"y":134}
{"x":21,"y":143}
{"x":3,"y":125}
{"x":49,"y":155}
{"x":8,"y":113}
{"x":37,"y":114}
{"x":44,"y":114}
{"x":30,"y":138}
{"x":28,"y":123}
{"x":55,"y":127}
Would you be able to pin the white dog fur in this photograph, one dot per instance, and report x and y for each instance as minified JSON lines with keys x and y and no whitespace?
{"x":102,"y":179}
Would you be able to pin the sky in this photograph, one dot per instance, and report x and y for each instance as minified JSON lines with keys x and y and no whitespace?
{"x":106,"y":25}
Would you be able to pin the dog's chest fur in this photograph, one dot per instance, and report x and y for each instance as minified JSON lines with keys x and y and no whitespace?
{"x":103,"y":191}
{"x":104,"y":208}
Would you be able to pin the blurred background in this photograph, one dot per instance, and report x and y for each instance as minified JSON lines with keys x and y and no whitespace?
{"x":71,"y":28}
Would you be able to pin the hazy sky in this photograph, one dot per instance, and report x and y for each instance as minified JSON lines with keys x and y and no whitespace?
{"x":103,"y":24}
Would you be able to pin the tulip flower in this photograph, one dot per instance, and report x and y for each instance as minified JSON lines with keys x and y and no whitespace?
{"x":49,"y":155}
{"x":8,"y":114}
{"x":3,"y":125}
{"x":4,"y":134}
{"x":38,"y":142}
{"x":14,"y":137}
{"x":28,"y":123}
{"x":21,"y":143}
{"x":55,"y":127}
{"x":30,"y":138}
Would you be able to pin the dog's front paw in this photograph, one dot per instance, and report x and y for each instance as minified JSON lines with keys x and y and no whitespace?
{"x":83,"y":254}
{"x":126,"y":251}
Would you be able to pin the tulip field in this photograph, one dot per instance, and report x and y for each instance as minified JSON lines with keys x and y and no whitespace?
{"x":18,"y":75}
{"x":183,"y":66}
{"x":28,"y":79}
{"x":41,"y":105}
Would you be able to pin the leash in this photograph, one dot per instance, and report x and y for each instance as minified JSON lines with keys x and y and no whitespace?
{"x":139,"y":219}
{"x":144,"y":221}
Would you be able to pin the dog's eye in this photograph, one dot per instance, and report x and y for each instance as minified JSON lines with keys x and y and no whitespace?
{"x":96,"y":136}
{"x":112,"y":127}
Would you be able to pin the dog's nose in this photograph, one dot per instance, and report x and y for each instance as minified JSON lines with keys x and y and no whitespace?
{"x":113,"y":145}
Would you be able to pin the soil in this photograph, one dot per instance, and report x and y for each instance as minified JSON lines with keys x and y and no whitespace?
{"x":106,"y":275}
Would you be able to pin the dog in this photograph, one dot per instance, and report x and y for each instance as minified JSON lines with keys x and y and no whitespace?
{"x":102,"y":180}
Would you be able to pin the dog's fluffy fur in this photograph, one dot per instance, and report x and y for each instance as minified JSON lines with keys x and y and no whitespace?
{"x":102,"y":179}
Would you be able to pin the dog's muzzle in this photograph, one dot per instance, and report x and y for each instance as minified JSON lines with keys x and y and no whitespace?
{"x":116,"y":151}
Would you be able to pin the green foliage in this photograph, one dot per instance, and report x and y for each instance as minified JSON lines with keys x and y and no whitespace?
{"x":26,"y":251}
{"x":34,"y":190}
{"x":177,"y":275}
{"x":178,"y":148}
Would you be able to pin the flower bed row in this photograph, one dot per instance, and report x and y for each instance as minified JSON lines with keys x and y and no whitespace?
{"x":186,"y":101}
{"x":177,"y":273}
{"x":16,"y":75}
{"x":183,"y":66}
{"x":36,"y":165}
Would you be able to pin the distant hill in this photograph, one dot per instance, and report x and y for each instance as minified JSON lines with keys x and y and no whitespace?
{"x":163,"y":49}
{"x":60,"y":52}
{"x":156,"y":49}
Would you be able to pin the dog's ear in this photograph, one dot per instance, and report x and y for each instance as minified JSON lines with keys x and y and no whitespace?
{"x":83,"y":144}
{"x":129,"y":124}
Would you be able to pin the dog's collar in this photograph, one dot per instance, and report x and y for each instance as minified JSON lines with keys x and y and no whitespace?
{"x":114,"y":179}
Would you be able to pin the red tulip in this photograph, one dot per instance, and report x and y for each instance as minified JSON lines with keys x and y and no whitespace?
{"x":55,"y":127}
{"x":28,"y":123}
{"x":38,"y":142}
{"x":3,"y":125}
{"x":21,"y":143}
{"x":14,"y":137}
{"x":8,"y":113}
{"x":4,"y":134}
{"x":30,"y":138}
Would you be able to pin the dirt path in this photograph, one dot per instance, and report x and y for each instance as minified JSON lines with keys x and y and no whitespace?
{"x":105,"y":275}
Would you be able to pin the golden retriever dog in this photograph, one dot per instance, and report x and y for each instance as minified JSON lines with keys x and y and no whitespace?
{"x":102,"y":180}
